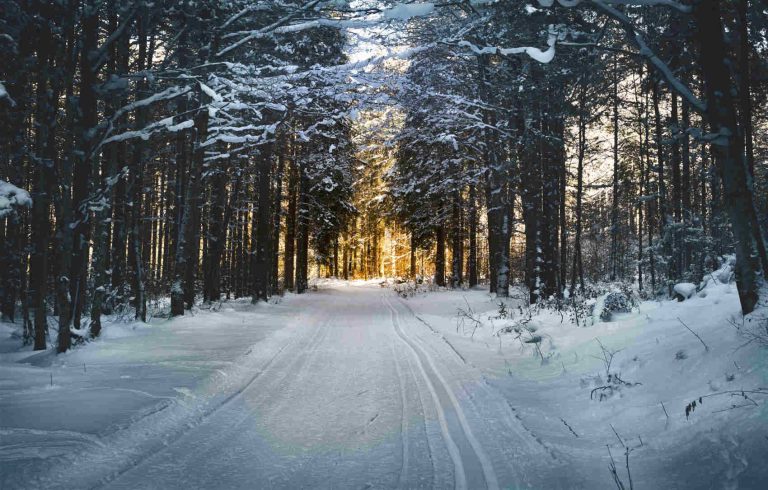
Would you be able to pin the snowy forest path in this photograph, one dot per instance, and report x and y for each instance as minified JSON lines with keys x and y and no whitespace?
{"x":471,"y":465}
{"x":354,"y":393}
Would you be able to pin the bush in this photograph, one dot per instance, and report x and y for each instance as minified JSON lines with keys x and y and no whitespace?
{"x":615,"y":302}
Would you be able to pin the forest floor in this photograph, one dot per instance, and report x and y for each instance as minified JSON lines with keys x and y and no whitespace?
{"x":353,"y":386}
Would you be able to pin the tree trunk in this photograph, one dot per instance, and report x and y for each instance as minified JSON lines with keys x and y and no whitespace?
{"x":289,"y":247}
{"x":745,"y":112}
{"x":686,"y":211}
{"x":186,"y":251}
{"x":65,"y":215}
{"x":261,"y":273}
{"x":663,"y":205}
{"x":277,"y":213}
{"x":472,"y":262}
{"x":728,"y":148}
{"x":135,"y":183}
{"x":676,"y":160}
{"x":457,"y":242}
{"x":83,"y":169}
{"x":302,"y":239}
{"x":440,"y":255}
{"x":550,"y":160}
{"x":221,"y":214}
{"x":581,"y":149}
{"x":41,"y":192}
{"x":615,"y":193}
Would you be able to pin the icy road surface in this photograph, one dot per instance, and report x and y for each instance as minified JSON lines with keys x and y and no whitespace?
{"x":354,"y":392}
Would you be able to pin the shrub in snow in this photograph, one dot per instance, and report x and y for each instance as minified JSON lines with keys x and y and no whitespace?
{"x":615,"y":302}
{"x":684,"y":290}
{"x":613,"y":383}
{"x":723,"y":275}
{"x":680,"y":355}
{"x":754,"y":327}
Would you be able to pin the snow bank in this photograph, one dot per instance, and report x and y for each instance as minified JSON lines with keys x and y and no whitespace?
{"x":124,"y":392}
{"x":563,"y":393}
{"x":685,"y":290}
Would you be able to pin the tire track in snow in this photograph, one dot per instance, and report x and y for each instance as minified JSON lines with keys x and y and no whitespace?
{"x":302,"y":359}
{"x":403,"y":421}
{"x":428,"y":439}
{"x":403,"y":416}
{"x":209,"y":412}
{"x":466,"y":452}
{"x":511,"y":418}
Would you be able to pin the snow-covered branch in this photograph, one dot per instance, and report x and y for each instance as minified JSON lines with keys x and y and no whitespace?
{"x":680,"y":7}
{"x":637,"y":37}
{"x":12,"y":197}
{"x":542,"y":56}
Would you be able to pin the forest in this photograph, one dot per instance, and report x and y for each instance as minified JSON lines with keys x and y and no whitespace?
{"x":206,"y":150}
{"x":307,"y":243}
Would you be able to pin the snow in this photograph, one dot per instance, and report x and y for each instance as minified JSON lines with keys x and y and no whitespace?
{"x":120,"y":391}
{"x":354,"y":386}
{"x":685,"y":289}
{"x":718,"y":446}
{"x":537,"y":54}
{"x":4,"y":95}
{"x":210,"y":92}
{"x":12,"y":197}
{"x":405,"y":11}
{"x":181,"y":126}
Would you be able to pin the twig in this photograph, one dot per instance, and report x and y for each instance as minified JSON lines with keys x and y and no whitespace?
{"x":706,"y":347}
{"x":627,"y":450}
{"x":665,"y":410}
{"x":734,"y":407}
{"x":757,"y":391}
{"x":614,"y":473}
{"x":626,"y":460}
{"x":617,"y":435}
{"x":606,"y":387}
{"x":569,"y":427}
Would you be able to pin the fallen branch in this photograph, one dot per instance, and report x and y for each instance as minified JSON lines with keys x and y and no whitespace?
{"x":691,"y":407}
{"x":569,"y":427}
{"x":706,"y":347}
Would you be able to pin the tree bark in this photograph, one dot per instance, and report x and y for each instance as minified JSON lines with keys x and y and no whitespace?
{"x":440,"y":255}
{"x":289,"y":247}
{"x":581,"y":150}
{"x":186,"y":251}
{"x":457,"y":242}
{"x":472,"y":262}
{"x":261,"y":273}
{"x":277,"y":214}
{"x":302,"y":238}
{"x":42,"y":189}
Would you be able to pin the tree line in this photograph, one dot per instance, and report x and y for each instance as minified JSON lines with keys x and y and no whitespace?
{"x":626,"y":147}
{"x":168,"y":148}
{"x":187,"y":150}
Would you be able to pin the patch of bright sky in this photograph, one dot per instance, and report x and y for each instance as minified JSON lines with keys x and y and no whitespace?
{"x":383,"y":38}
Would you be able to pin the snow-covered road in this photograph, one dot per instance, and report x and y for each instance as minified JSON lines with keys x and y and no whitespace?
{"x":352,"y":387}
{"x":358,"y":396}
{"x":353,"y":392}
